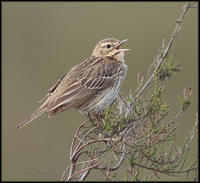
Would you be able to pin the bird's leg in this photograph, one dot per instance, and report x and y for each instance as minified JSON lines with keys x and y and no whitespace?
{"x":97,"y":117}
{"x":91,"y":119}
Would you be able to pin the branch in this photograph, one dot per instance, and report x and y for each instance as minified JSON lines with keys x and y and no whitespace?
{"x":175,"y":32}
{"x":136,"y":128}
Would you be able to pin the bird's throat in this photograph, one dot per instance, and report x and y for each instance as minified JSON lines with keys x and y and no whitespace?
{"x":119,"y":57}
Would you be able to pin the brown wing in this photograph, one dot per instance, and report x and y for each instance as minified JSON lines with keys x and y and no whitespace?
{"x":51,"y":90}
{"x":72,"y":72}
{"x":86,"y":83}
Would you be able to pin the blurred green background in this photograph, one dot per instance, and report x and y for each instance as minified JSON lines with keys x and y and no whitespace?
{"x":42,"y":40}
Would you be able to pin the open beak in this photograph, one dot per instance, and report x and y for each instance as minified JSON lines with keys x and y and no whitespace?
{"x":119,"y":45}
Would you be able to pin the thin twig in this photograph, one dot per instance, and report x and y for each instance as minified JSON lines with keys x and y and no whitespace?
{"x":83,"y":170}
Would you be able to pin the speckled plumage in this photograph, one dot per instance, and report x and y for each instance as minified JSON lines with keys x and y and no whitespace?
{"x":89,"y":86}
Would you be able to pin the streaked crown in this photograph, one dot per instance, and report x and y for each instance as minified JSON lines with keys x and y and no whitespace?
{"x":110,"y":47}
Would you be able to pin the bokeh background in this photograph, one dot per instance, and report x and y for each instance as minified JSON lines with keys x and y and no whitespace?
{"x":42,"y":40}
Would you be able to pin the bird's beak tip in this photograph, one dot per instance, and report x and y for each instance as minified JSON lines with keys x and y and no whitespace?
{"x":124,"y":40}
{"x":120,"y":43}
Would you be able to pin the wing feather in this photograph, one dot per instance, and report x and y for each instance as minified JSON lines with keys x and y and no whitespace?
{"x":85,"y":84}
{"x":51,"y":90}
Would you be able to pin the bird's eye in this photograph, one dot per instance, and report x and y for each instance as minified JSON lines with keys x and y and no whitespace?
{"x":108,"y":46}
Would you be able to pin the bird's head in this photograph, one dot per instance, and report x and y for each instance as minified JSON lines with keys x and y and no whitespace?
{"x":111,"y":48}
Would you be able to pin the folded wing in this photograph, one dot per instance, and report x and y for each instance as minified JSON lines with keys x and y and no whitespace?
{"x":85,"y":85}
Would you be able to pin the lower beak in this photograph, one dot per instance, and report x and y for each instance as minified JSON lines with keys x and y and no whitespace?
{"x":122,"y":50}
{"x":119,"y":45}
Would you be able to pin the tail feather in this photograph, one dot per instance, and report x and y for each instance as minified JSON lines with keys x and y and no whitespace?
{"x":34,"y":115}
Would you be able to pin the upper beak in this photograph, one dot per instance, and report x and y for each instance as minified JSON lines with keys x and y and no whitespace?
{"x":119,"y":45}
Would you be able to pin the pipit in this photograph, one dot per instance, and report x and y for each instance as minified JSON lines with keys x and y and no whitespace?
{"x":90,"y":86}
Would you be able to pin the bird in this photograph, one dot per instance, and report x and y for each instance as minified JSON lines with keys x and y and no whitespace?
{"x":89,"y":87}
